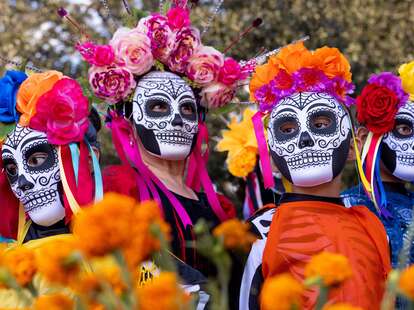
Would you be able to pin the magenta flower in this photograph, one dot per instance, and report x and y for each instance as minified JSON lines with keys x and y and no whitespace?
{"x":392,"y":82}
{"x":62,"y":113}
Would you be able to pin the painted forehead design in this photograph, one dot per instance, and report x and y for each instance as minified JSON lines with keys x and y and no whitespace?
{"x":305,"y":102}
{"x":407,"y":109}
{"x":165,"y":82}
{"x":22,"y":136}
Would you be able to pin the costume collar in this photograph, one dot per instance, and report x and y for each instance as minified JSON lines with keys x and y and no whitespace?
{"x":294,"y":197}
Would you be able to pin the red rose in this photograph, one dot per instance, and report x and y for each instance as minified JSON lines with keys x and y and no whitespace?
{"x":230,"y":72}
{"x":377,"y":107}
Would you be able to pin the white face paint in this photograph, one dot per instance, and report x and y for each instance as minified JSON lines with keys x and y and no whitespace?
{"x":32,"y":168}
{"x":165,"y":115}
{"x":398,"y":145}
{"x":309,"y":135}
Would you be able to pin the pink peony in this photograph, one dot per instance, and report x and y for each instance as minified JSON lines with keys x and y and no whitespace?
{"x":178,"y":18}
{"x":216,"y":95}
{"x":230,"y":73}
{"x":133,"y":50}
{"x":187,"y":41}
{"x":161,"y":36}
{"x":204,"y":66}
{"x":180,"y":3}
{"x":62,"y":113}
{"x":111,"y":83}
{"x":99,"y":55}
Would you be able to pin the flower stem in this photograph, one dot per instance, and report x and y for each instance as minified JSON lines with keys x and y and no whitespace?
{"x":323,"y":296}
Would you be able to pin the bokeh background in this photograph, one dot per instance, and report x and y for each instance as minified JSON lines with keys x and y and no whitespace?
{"x":375,"y":35}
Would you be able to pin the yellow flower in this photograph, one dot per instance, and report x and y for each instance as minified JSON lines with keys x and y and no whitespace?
{"x":242,"y":164}
{"x":53,"y":302}
{"x":21,"y":263}
{"x":236,"y":234}
{"x":53,"y":261}
{"x":240,"y":143}
{"x":406,"y":282}
{"x":406,"y":72}
{"x":341,"y":306}
{"x":331,"y":267}
{"x":162,"y":293}
{"x":281,"y":292}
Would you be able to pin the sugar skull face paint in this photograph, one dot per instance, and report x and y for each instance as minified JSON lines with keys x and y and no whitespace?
{"x":32,"y":168}
{"x":309,"y":136}
{"x":398,"y":145}
{"x":165,"y":115}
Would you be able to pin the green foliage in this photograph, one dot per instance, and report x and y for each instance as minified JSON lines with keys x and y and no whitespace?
{"x":374,"y":35}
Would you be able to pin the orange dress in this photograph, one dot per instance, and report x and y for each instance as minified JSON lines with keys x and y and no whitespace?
{"x":302,"y":229}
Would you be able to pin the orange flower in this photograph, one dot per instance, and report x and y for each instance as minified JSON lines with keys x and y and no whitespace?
{"x":162,"y":293}
{"x":53,"y":261}
{"x":406,"y":282}
{"x":333,"y":63}
{"x":281,"y":292}
{"x":331,"y":267}
{"x":31,"y":90}
{"x":21,"y":263}
{"x":235,"y":233}
{"x":341,"y":306}
{"x":262,"y":76}
{"x":292,"y":57}
{"x":53,"y":302}
{"x":106,"y":226}
{"x":119,"y":223}
{"x":142,"y":241}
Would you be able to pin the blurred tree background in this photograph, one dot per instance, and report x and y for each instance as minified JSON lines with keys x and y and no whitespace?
{"x":375,"y":35}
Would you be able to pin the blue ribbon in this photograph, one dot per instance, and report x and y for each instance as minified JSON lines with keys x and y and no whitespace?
{"x":75,"y":154}
{"x":380,"y":186}
{"x":97,"y":174}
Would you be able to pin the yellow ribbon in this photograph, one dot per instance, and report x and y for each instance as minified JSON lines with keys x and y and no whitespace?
{"x":286,"y":185}
{"x":359,"y":161}
{"x":73,"y":204}
{"x":23,"y":226}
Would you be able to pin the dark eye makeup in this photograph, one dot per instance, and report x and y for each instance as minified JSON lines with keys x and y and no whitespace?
{"x":285,"y":128}
{"x":403,"y":128}
{"x":322,"y":122}
{"x":188,"y":110}
{"x":157,"y":107}
{"x":39,"y":157}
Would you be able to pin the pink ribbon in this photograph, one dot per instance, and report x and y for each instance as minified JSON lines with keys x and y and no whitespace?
{"x":263,"y":150}
{"x":146,"y":180}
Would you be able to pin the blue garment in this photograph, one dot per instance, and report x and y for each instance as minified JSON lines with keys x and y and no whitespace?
{"x":399,"y":203}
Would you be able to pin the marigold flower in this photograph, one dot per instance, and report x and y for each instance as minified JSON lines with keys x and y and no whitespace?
{"x":105,"y":227}
{"x":281,"y":292}
{"x":331,"y":267}
{"x":242,"y":164}
{"x":119,"y":223}
{"x":21,"y":263}
{"x":292,"y":57}
{"x":333,"y":63}
{"x":235,"y":234}
{"x":406,"y":282}
{"x":262,"y":76}
{"x":341,"y":306}
{"x":162,"y":293}
{"x":53,"y":261}
{"x":53,"y":302}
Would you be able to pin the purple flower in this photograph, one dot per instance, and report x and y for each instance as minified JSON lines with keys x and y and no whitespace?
{"x":312,"y":80}
{"x":392,"y":82}
{"x":266,"y":97}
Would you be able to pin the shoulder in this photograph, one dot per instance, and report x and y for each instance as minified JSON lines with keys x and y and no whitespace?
{"x":355,"y":196}
{"x":261,"y":220}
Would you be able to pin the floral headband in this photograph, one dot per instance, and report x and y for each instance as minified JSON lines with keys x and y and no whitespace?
{"x":49,"y":102}
{"x":166,"y":42}
{"x":379,"y":102}
{"x":296,"y":69}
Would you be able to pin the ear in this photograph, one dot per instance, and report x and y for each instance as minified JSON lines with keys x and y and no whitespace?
{"x":360,"y":138}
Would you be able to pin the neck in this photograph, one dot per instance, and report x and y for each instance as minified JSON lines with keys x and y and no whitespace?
{"x":330,"y":189}
{"x":170,"y":172}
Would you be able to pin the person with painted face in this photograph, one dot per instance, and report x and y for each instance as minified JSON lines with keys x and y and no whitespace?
{"x":309,"y":132}
{"x":392,"y":164}
{"x":46,"y":154}
{"x":159,"y":80}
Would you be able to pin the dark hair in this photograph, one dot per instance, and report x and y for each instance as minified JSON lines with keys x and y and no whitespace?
{"x":95,"y":126}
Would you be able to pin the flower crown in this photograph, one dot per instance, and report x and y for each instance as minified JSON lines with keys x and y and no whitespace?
{"x":166,"y":42}
{"x":379,"y":102}
{"x":296,"y":69}
{"x":49,"y":102}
